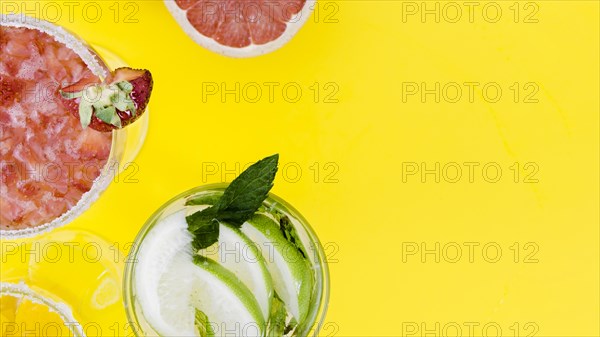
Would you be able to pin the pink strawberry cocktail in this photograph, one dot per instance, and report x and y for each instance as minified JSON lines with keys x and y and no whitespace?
{"x":48,"y":161}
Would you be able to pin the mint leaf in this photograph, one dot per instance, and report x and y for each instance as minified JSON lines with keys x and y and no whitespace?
{"x":241,"y":199}
{"x":247,"y":192}
{"x":278,"y":315}
{"x":290,"y":234}
{"x":203,"y":325}
{"x":204,"y":227}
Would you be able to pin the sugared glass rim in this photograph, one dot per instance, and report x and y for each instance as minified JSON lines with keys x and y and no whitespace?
{"x":272,"y":200}
{"x":21,"y":290}
{"x":100,"y":69}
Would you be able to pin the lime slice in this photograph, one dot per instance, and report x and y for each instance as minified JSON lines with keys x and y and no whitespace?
{"x":291,"y":274}
{"x":238,"y":254}
{"x":163,"y":279}
{"x":231,"y":308}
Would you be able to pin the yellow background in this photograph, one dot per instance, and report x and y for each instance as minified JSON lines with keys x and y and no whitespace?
{"x":365,"y":212}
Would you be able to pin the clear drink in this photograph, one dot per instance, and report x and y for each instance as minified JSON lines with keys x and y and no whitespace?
{"x":171,"y":291}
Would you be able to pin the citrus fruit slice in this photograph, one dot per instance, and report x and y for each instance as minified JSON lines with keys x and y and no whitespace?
{"x":292,"y":277}
{"x":239,"y":255}
{"x":24,"y":312}
{"x":8,"y":307}
{"x":163,"y":261}
{"x":107,"y":293}
{"x":241,"y":28}
{"x":36,"y":317}
{"x":4,"y":325}
{"x":228,"y":304}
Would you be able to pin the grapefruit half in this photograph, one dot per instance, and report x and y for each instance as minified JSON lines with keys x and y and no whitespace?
{"x":241,"y":28}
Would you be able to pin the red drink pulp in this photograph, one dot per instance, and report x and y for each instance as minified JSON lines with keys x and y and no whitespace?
{"x":47,"y":160}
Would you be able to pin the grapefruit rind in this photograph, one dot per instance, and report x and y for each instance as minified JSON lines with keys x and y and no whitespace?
{"x":248,"y":51}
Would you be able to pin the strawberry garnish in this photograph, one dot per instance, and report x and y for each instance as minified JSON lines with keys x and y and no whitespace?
{"x":112,"y":104}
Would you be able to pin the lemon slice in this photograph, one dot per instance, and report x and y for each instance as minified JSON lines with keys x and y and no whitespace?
{"x":37,"y":318}
{"x":24,"y":312}
{"x":162,"y":287}
{"x":8,"y":307}
{"x":107,"y":293}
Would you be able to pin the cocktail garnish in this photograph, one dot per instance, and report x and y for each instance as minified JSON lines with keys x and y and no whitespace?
{"x":112,"y":104}
{"x":239,"y":202}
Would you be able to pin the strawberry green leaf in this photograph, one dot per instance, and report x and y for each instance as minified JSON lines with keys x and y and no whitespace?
{"x":106,"y":114}
{"x":85,"y":113}
{"x":120,"y":101}
{"x":116,"y":121}
{"x":125,"y":86}
{"x":98,"y":106}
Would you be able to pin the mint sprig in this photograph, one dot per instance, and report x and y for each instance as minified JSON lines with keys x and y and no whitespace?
{"x":239,"y":202}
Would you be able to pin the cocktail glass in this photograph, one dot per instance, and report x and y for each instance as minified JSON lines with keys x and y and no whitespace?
{"x":316,"y":257}
{"x":126,"y":143}
{"x":75,"y":267}
{"x":20,"y":292}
